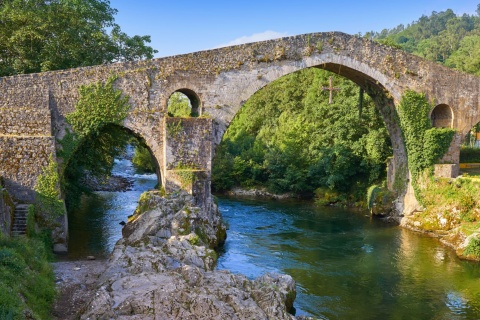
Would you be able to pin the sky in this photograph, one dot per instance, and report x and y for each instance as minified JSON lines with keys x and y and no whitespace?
{"x":178,"y":27}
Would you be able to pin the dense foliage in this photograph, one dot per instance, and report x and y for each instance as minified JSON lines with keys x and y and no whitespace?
{"x":424,"y":144}
{"x":142,"y":159}
{"x":179,"y":105}
{"x":99,"y":104}
{"x":27,"y":282}
{"x":49,"y":205}
{"x":43,"y":35}
{"x":290,"y":139}
{"x":469,"y":155}
{"x":93,"y":157}
{"x":97,"y":137}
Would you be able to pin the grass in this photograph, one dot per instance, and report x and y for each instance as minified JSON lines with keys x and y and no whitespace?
{"x":27,"y":282}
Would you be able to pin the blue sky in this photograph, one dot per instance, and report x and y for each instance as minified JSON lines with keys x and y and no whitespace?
{"x":177,"y":26}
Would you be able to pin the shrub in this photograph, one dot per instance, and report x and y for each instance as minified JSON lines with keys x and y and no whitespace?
{"x":473,"y":247}
{"x":142,"y":160}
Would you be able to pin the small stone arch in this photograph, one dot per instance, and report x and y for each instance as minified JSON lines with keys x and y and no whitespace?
{"x":442,"y":116}
{"x":194,"y":99}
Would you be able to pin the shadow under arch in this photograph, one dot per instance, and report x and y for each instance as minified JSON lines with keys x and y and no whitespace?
{"x":442,"y":116}
{"x":94,"y":217}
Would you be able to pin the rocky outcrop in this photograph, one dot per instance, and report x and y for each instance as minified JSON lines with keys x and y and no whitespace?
{"x":258,"y":193}
{"x":163,"y":268}
{"x":112,"y":183}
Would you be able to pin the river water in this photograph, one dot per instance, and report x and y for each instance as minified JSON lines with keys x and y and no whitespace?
{"x":94,"y":226}
{"x":345,"y":265}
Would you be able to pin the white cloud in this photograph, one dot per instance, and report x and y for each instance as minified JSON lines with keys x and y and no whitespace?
{"x":266,"y":35}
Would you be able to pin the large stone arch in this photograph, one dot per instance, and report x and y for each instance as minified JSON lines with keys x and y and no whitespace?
{"x":371,"y":80}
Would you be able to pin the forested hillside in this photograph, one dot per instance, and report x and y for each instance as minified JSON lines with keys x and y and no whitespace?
{"x":443,"y":37}
{"x":288,"y":138}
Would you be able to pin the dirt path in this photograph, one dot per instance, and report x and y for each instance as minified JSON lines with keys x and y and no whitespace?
{"x":75,"y":283}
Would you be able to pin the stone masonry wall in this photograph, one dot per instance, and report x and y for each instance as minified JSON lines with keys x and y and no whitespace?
{"x":188,"y":143}
{"x":25,"y":121}
{"x":22,"y":160}
{"x":7,"y":209}
{"x":188,"y":154}
{"x":224,"y":78}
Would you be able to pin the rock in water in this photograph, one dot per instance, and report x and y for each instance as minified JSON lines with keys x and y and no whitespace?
{"x":163,"y":268}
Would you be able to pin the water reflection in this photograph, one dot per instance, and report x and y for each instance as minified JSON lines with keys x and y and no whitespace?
{"x":94,"y":226}
{"x":348,"y":267}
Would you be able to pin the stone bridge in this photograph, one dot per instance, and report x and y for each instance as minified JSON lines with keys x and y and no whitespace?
{"x":218,"y":82}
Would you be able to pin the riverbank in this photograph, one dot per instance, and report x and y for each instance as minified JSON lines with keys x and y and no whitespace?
{"x":75,"y":283}
{"x":450,"y":212}
{"x":258,"y":193}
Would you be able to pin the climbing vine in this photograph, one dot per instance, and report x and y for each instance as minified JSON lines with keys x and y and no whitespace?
{"x":185,"y":174}
{"x":95,"y":135}
{"x":174,"y":128}
{"x":47,"y":190}
{"x":99,"y":105}
{"x":425,"y":145}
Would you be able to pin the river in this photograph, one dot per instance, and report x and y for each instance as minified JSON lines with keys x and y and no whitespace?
{"x":94,"y":226}
{"x":346,"y":266}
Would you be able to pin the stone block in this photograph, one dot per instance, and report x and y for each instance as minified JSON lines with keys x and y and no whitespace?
{"x":447,"y":170}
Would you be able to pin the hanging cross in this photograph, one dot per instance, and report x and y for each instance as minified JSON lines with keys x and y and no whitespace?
{"x":331,"y":89}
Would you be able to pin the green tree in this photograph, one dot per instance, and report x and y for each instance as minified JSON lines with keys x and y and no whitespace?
{"x":179,"y":105}
{"x":43,"y":35}
{"x":142,"y":159}
{"x":466,"y":58}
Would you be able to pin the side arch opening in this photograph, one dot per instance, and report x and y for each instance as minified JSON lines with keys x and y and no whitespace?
{"x":184,"y":103}
{"x":442,"y":116}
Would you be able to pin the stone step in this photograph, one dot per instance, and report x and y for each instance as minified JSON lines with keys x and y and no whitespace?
{"x":19,"y":227}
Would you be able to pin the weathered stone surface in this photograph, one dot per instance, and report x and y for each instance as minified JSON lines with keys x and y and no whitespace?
{"x":150,"y":276}
{"x":447,"y":170}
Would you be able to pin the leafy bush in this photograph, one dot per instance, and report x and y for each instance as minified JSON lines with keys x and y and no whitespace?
{"x":99,"y":104}
{"x":179,"y":105}
{"x":142,"y":159}
{"x":473,"y":247}
{"x":47,"y":189}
